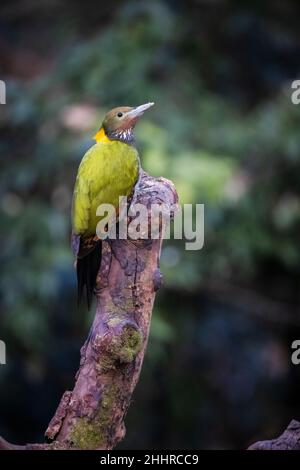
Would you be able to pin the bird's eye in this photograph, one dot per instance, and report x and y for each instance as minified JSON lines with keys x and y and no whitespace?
{"x":120,"y":114}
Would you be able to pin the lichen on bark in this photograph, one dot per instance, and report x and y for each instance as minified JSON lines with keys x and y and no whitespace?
{"x":94,"y":433}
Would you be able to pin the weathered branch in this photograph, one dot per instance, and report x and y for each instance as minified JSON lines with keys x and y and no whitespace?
{"x":92,"y":415}
{"x":288,"y":440}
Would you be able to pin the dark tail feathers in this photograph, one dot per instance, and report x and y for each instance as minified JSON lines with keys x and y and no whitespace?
{"x":87,"y":270}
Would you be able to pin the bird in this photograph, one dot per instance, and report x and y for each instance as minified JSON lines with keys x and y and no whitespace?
{"x":109,"y":170}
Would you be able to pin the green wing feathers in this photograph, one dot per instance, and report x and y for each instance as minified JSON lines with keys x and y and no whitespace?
{"x":107,"y":171}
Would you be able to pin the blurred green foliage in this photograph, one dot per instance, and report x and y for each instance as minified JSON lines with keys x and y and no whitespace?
{"x":225,"y":131}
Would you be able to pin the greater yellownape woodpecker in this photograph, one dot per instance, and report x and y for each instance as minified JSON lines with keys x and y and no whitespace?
{"x":109,"y":170}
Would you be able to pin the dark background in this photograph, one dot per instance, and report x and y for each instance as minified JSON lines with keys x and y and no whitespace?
{"x":218,"y":372}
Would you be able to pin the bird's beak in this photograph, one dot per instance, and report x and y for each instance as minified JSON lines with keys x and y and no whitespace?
{"x":139,"y":110}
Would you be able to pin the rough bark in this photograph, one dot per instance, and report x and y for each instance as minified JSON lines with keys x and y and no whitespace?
{"x":288,"y":440}
{"x":92,"y":415}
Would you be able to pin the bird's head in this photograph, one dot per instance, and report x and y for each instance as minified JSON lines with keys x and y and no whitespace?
{"x":118,"y":123}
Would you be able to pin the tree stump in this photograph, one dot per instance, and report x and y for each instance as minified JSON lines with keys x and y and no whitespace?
{"x":92,"y":415}
{"x":288,"y":440}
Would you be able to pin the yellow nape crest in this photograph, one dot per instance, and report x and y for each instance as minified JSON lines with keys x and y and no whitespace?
{"x":100,"y":136}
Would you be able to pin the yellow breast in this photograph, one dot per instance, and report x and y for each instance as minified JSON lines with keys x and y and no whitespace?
{"x":108,"y":170}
